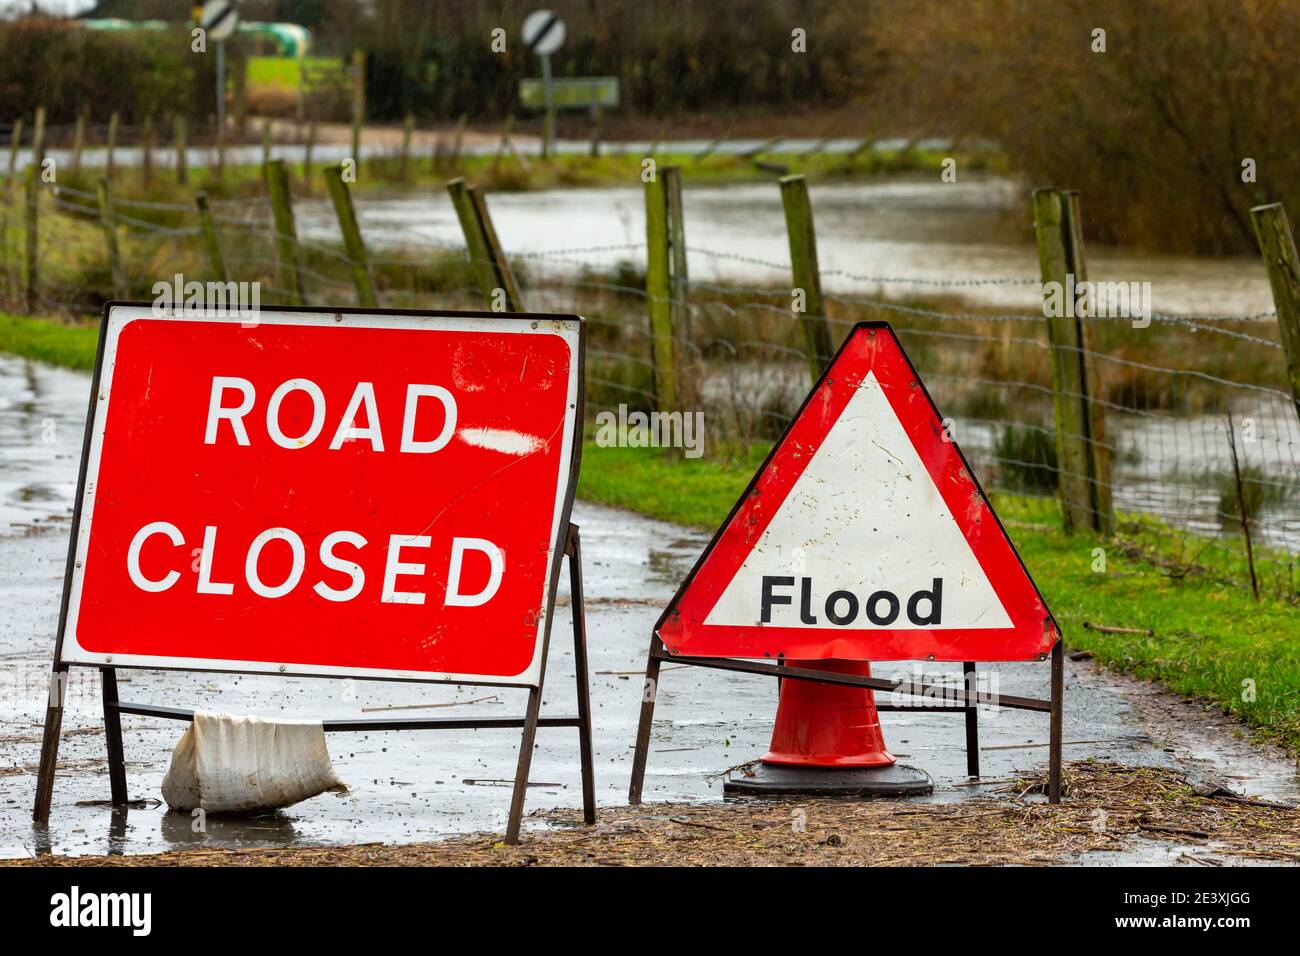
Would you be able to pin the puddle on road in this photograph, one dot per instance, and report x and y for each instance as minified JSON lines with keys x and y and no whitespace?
{"x":414,"y":786}
{"x":42,"y":413}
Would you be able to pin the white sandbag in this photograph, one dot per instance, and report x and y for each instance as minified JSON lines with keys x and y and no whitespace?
{"x":226,"y":763}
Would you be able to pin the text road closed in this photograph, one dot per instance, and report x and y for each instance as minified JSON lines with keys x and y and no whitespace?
{"x":327,"y":496}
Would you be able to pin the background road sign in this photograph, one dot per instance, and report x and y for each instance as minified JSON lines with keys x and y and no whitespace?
{"x":219,"y":19}
{"x":575,"y":93}
{"x":375,"y":495}
{"x":864,"y":537}
{"x":543,"y":32}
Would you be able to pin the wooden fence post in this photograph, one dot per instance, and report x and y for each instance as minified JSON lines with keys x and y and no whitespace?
{"x":15,"y":142}
{"x":404,"y":167}
{"x":1082,"y":456}
{"x":1277,"y":246}
{"x":146,"y":146}
{"x":110,"y":144}
{"x":505,"y":141}
{"x":352,"y":243}
{"x":78,"y":142}
{"x":266,"y":142}
{"x":548,"y":132}
{"x":487,"y":260}
{"x":182,"y":150}
{"x":240,"y":110}
{"x":358,"y":103}
{"x":286,"y":233}
{"x":109,"y":228}
{"x":807,"y":277}
{"x":677,"y":243}
{"x":211,"y":244}
{"x":437,"y":148}
{"x":38,"y":137}
{"x":658,"y":290}
{"x":458,"y":142}
{"x":6,"y":280}
{"x":306,"y":154}
{"x":30,"y":236}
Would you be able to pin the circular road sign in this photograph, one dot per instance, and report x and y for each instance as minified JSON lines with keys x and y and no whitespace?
{"x":543,"y":32}
{"x":219,"y":19}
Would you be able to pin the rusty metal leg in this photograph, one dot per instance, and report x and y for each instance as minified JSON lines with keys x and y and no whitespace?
{"x":649,"y":692}
{"x":525,"y":762}
{"x":580,"y":668}
{"x":972,"y":722}
{"x":1058,"y":695}
{"x":113,"y":736}
{"x":50,"y":744}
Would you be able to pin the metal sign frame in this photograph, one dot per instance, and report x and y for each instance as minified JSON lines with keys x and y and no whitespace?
{"x":567,"y":544}
{"x":931,"y":696}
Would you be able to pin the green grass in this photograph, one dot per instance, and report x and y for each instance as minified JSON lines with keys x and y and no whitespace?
{"x":283,"y":70}
{"x":1210,"y":641}
{"x":72,"y":346}
{"x":697,"y":492}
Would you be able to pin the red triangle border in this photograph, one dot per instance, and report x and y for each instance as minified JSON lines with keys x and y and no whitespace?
{"x":869,"y":346}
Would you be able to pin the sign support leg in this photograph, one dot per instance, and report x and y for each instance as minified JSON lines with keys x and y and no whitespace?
{"x":113,"y":737}
{"x":50,"y":744}
{"x":526,"y":744}
{"x":1058,"y":692}
{"x":580,"y":668}
{"x":972,"y":722}
{"x":649,"y":691}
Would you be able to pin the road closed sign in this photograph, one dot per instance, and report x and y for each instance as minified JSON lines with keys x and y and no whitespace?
{"x":331,"y":493}
{"x":864,"y":536}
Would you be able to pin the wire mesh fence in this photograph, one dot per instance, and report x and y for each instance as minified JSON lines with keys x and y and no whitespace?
{"x":1201,"y":439}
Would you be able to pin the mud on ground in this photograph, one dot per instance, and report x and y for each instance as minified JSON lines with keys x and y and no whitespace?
{"x":1108,"y":807}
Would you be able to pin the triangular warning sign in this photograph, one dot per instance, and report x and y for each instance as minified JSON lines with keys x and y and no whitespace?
{"x":864,"y":536}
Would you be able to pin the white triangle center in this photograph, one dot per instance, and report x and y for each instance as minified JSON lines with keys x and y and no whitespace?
{"x":864,"y":518}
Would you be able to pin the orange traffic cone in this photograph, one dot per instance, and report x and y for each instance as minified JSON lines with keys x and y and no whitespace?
{"x":827,"y":740}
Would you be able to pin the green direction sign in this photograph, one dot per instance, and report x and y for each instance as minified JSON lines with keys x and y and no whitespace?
{"x":576,"y":93}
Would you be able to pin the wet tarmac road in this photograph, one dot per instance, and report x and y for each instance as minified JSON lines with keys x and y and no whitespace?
{"x":416,"y":786}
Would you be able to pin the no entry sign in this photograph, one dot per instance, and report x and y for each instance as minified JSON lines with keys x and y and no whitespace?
{"x":329,"y":493}
{"x":864,"y":536}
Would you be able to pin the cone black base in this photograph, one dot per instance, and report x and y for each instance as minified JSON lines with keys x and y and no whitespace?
{"x":768,"y":780}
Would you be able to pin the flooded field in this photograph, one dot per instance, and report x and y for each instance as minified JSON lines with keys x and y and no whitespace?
{"x":891,"y":228}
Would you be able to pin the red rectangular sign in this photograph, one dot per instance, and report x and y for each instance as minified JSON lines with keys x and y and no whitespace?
{"x":330,"y":493}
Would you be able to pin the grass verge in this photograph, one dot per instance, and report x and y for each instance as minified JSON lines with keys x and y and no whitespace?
{"x":72,"y":346}
{"x":1196,"y":636}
